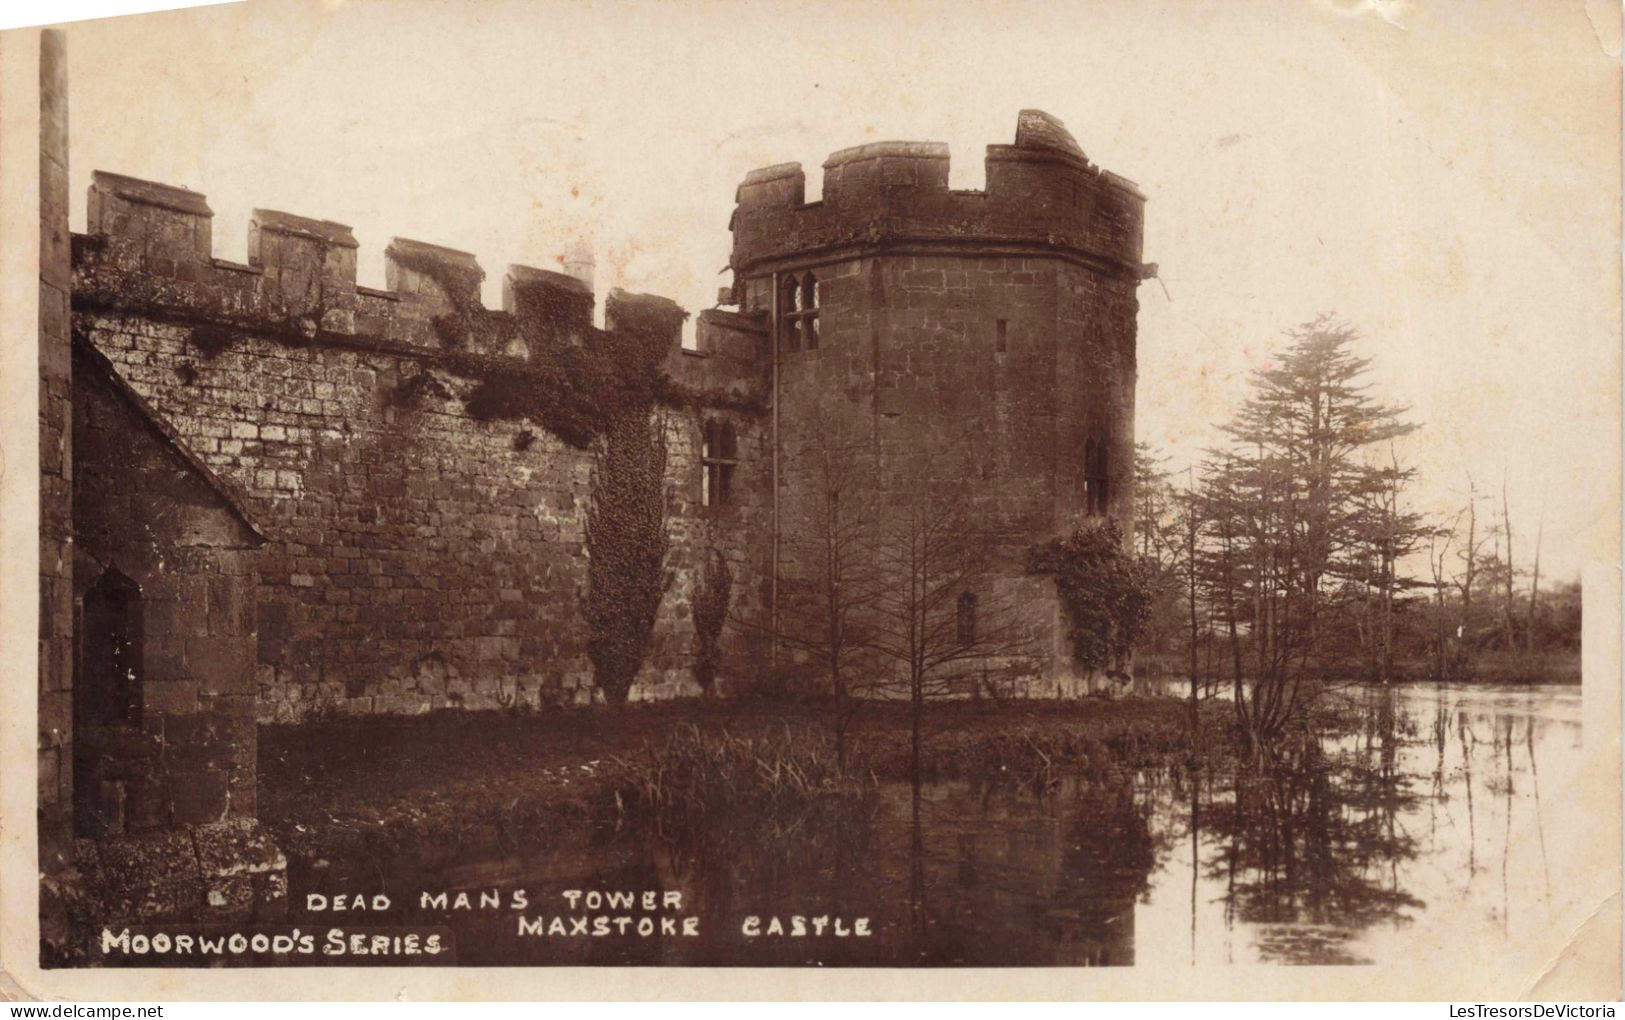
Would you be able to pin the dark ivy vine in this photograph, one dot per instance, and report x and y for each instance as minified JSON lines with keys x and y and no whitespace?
{"x":1104,"y":592}
{"x":626,"y":549}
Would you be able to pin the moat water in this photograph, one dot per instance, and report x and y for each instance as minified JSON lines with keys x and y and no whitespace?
{"x":1445,"y":823}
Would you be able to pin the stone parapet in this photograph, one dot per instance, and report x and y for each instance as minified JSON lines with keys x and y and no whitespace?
{"x":1042,"y":194}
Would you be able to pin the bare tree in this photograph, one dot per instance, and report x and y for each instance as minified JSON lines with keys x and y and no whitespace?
{"x":1471,"y":556}
{"x":1534,"y":579}
{"x":1439,"y":542}
{"x":834,"y":582}
{"x":937,"y":618}
{"x":1507,"y":610}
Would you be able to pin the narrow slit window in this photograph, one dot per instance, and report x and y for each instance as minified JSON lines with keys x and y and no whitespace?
{"x":965,"y":620}
{"x":1095,"y":477}
{"x":1001,"y":335}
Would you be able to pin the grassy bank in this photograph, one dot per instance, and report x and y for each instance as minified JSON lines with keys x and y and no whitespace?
{"x":438,"y":783}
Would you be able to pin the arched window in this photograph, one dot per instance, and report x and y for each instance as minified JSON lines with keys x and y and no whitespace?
{"x":719,"y":455}
{"x":798,"y":309}
{"x":809,"y":311}
{"x":1095,"y":477}
{"x":965,"y":620}
{"x":107,"y":689}
{"x":789,"y":307}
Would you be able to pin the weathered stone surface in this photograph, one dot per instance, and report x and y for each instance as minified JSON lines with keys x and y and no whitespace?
{"x":418,"y":557}
{"x":222,"y":872}
{"x":976,"y":341}
{"x":142,"y":878}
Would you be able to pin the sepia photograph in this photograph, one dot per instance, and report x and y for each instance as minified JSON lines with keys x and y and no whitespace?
{"x":1124,"y":495}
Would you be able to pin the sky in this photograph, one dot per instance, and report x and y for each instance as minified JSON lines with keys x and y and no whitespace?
{"x":1443,"y":176}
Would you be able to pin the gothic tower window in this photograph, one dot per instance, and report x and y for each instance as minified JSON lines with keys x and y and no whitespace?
{"x":809,"y":311}
{"x":798,"y":307}
{"x":108,"y":688}
{"x":1095,"y":477}
{"x":965,"y":620}
{"x":719,"y":455}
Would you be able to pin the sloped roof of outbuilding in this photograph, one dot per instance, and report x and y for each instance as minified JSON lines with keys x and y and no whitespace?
{"x":88,"y":360}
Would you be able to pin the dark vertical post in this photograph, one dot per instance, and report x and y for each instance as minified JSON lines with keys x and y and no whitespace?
{"x":773,"y":609}
{"x":56,"y":460}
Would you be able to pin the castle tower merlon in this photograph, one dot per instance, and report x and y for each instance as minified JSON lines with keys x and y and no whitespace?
{"x":728,"y":356}
{"x":1043,"y":198}
{"x":547,"y":303}
{"x":1036,"y":129}
{"x":169,"y":226}
{"x":307,"y":265}
{"x":645,"y":313}
{"x":780,"y":186}
{"x":869,"y":179}
{"x":432,"y":274}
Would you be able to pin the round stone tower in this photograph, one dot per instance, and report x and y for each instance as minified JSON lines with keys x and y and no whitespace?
{"x":975,"y":345}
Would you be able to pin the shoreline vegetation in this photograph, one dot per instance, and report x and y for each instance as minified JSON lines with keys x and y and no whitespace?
{"x":431,"y":784}
{"x":453,"y":783}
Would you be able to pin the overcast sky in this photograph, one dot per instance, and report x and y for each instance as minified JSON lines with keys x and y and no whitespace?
{"x":1445,"y":177}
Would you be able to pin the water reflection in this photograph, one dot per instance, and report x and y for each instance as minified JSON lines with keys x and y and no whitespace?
{"x":1307,"y":849}
{"x":954,"y":874}
{"x":1326,"y":852}
{"x":1337,"y":851}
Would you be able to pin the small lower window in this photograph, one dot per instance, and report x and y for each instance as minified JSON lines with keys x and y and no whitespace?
{"x":965,"y":620}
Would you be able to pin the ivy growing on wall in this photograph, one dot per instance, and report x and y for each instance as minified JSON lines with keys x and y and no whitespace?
{"x":1104,"y":592}
{"x":415,"y":387}
{"x":575,"y":390}
{"x":626,"y":548}
{"x":469,"y":324}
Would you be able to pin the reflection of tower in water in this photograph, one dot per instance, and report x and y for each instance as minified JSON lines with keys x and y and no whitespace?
{"x":1004,"y":879}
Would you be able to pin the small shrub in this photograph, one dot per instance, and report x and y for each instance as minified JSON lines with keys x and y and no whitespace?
{"x":1105,"y":593}
{"x":716,"y":791}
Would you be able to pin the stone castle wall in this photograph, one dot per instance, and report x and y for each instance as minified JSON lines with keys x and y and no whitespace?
{"x":426,"y":545}
{"x":977,"y":342}
{"x":180,"y":750}
{"x":420,"y":553}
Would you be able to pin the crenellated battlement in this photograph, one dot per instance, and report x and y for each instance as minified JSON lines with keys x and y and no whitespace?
{"x":423,"y":465}
{"x":149,"y":246}
{"x":1042,"y":193}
